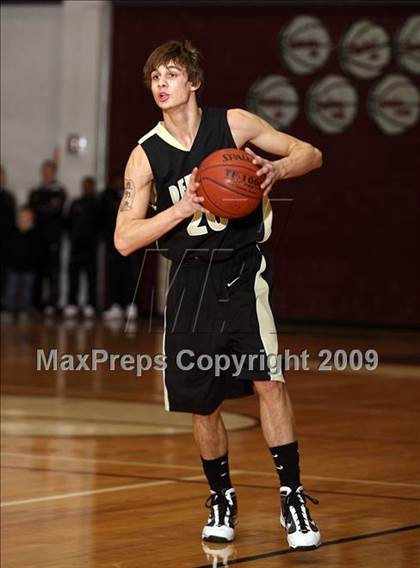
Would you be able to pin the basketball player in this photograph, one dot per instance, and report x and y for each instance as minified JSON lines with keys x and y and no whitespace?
{"x":219,"y":280}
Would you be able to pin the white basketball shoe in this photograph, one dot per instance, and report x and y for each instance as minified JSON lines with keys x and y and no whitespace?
{"x":221,"y":523}
{"x":302,"y":532}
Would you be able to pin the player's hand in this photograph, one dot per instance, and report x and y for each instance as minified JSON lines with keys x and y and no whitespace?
{"x":267,"y":168}
{"x":190,"y":202}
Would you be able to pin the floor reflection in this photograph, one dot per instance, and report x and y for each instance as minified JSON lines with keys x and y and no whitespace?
{"x":219,"y":554}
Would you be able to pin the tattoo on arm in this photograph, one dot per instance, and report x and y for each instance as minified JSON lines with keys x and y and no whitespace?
{"x":128,"y":197}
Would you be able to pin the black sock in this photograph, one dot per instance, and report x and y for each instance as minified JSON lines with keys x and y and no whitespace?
{"x":286,"y":460}
{"x":217,"y":473}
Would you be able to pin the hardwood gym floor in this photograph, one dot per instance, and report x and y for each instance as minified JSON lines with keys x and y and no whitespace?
{"x":97,"y":475}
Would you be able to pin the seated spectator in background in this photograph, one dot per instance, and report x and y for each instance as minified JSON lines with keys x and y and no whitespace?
{"x":47,"y":201}
{"x":121,"y":272}
{"x":24,"y":250}
{"x":7,"y":223}
{"x":82,"y":224}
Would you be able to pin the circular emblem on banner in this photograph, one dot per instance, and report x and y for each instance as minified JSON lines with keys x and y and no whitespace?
{"x":331,"y":104}
{"x":407,"y":45}
{"x":365,"y":50}
{"x":304,"y":44}
{"x":274,"y":99}
{"x":394,"y":104}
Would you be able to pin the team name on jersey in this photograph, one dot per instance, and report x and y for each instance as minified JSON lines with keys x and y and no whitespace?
{"x":177,"y":191}
{"x":200,"y":224}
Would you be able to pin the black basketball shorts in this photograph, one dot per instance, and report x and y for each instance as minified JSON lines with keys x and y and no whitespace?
{"x":220,"y":333}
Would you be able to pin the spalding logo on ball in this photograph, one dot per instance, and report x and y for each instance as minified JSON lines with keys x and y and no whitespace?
{"x":365,"y":50}
{"x":394,"y":104}
{"x":274,"y":99}
{"x":331,"y":104}
{"x":229,"y":183}
{"x":304,"y":44}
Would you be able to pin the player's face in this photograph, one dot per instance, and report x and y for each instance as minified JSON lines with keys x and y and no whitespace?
{"x":170,"y":86}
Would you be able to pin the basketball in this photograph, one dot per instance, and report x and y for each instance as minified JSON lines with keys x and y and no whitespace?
{"x":229,"y":183}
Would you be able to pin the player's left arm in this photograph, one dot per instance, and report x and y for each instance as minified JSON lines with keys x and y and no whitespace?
{"x":297,"y":157}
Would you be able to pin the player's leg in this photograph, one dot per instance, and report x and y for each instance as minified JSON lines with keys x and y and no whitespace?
{"x":253,"y":331}
{"x":197,"y":390}
{"x":210,"y":434}
{"x":278,"y":426}
{"x":211,"y":438}
{"x":276,"y":413}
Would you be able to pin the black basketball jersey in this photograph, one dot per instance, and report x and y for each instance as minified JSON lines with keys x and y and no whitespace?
{"x":202,"y":235}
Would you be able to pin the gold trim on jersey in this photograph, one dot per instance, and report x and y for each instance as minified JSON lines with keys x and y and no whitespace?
{"x":166,"y":136}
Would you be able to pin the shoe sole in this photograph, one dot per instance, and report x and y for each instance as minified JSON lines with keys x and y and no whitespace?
{"x":216,"y":539}
{"x":305,"y":548}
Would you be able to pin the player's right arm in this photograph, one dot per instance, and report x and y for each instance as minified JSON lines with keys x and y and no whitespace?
{"x":133,"y":230}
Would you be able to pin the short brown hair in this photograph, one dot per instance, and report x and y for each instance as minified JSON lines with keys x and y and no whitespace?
{"x":181,"y":52}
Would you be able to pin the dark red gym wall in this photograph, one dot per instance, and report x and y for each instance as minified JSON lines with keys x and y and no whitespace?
{"x":349,"y":249}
